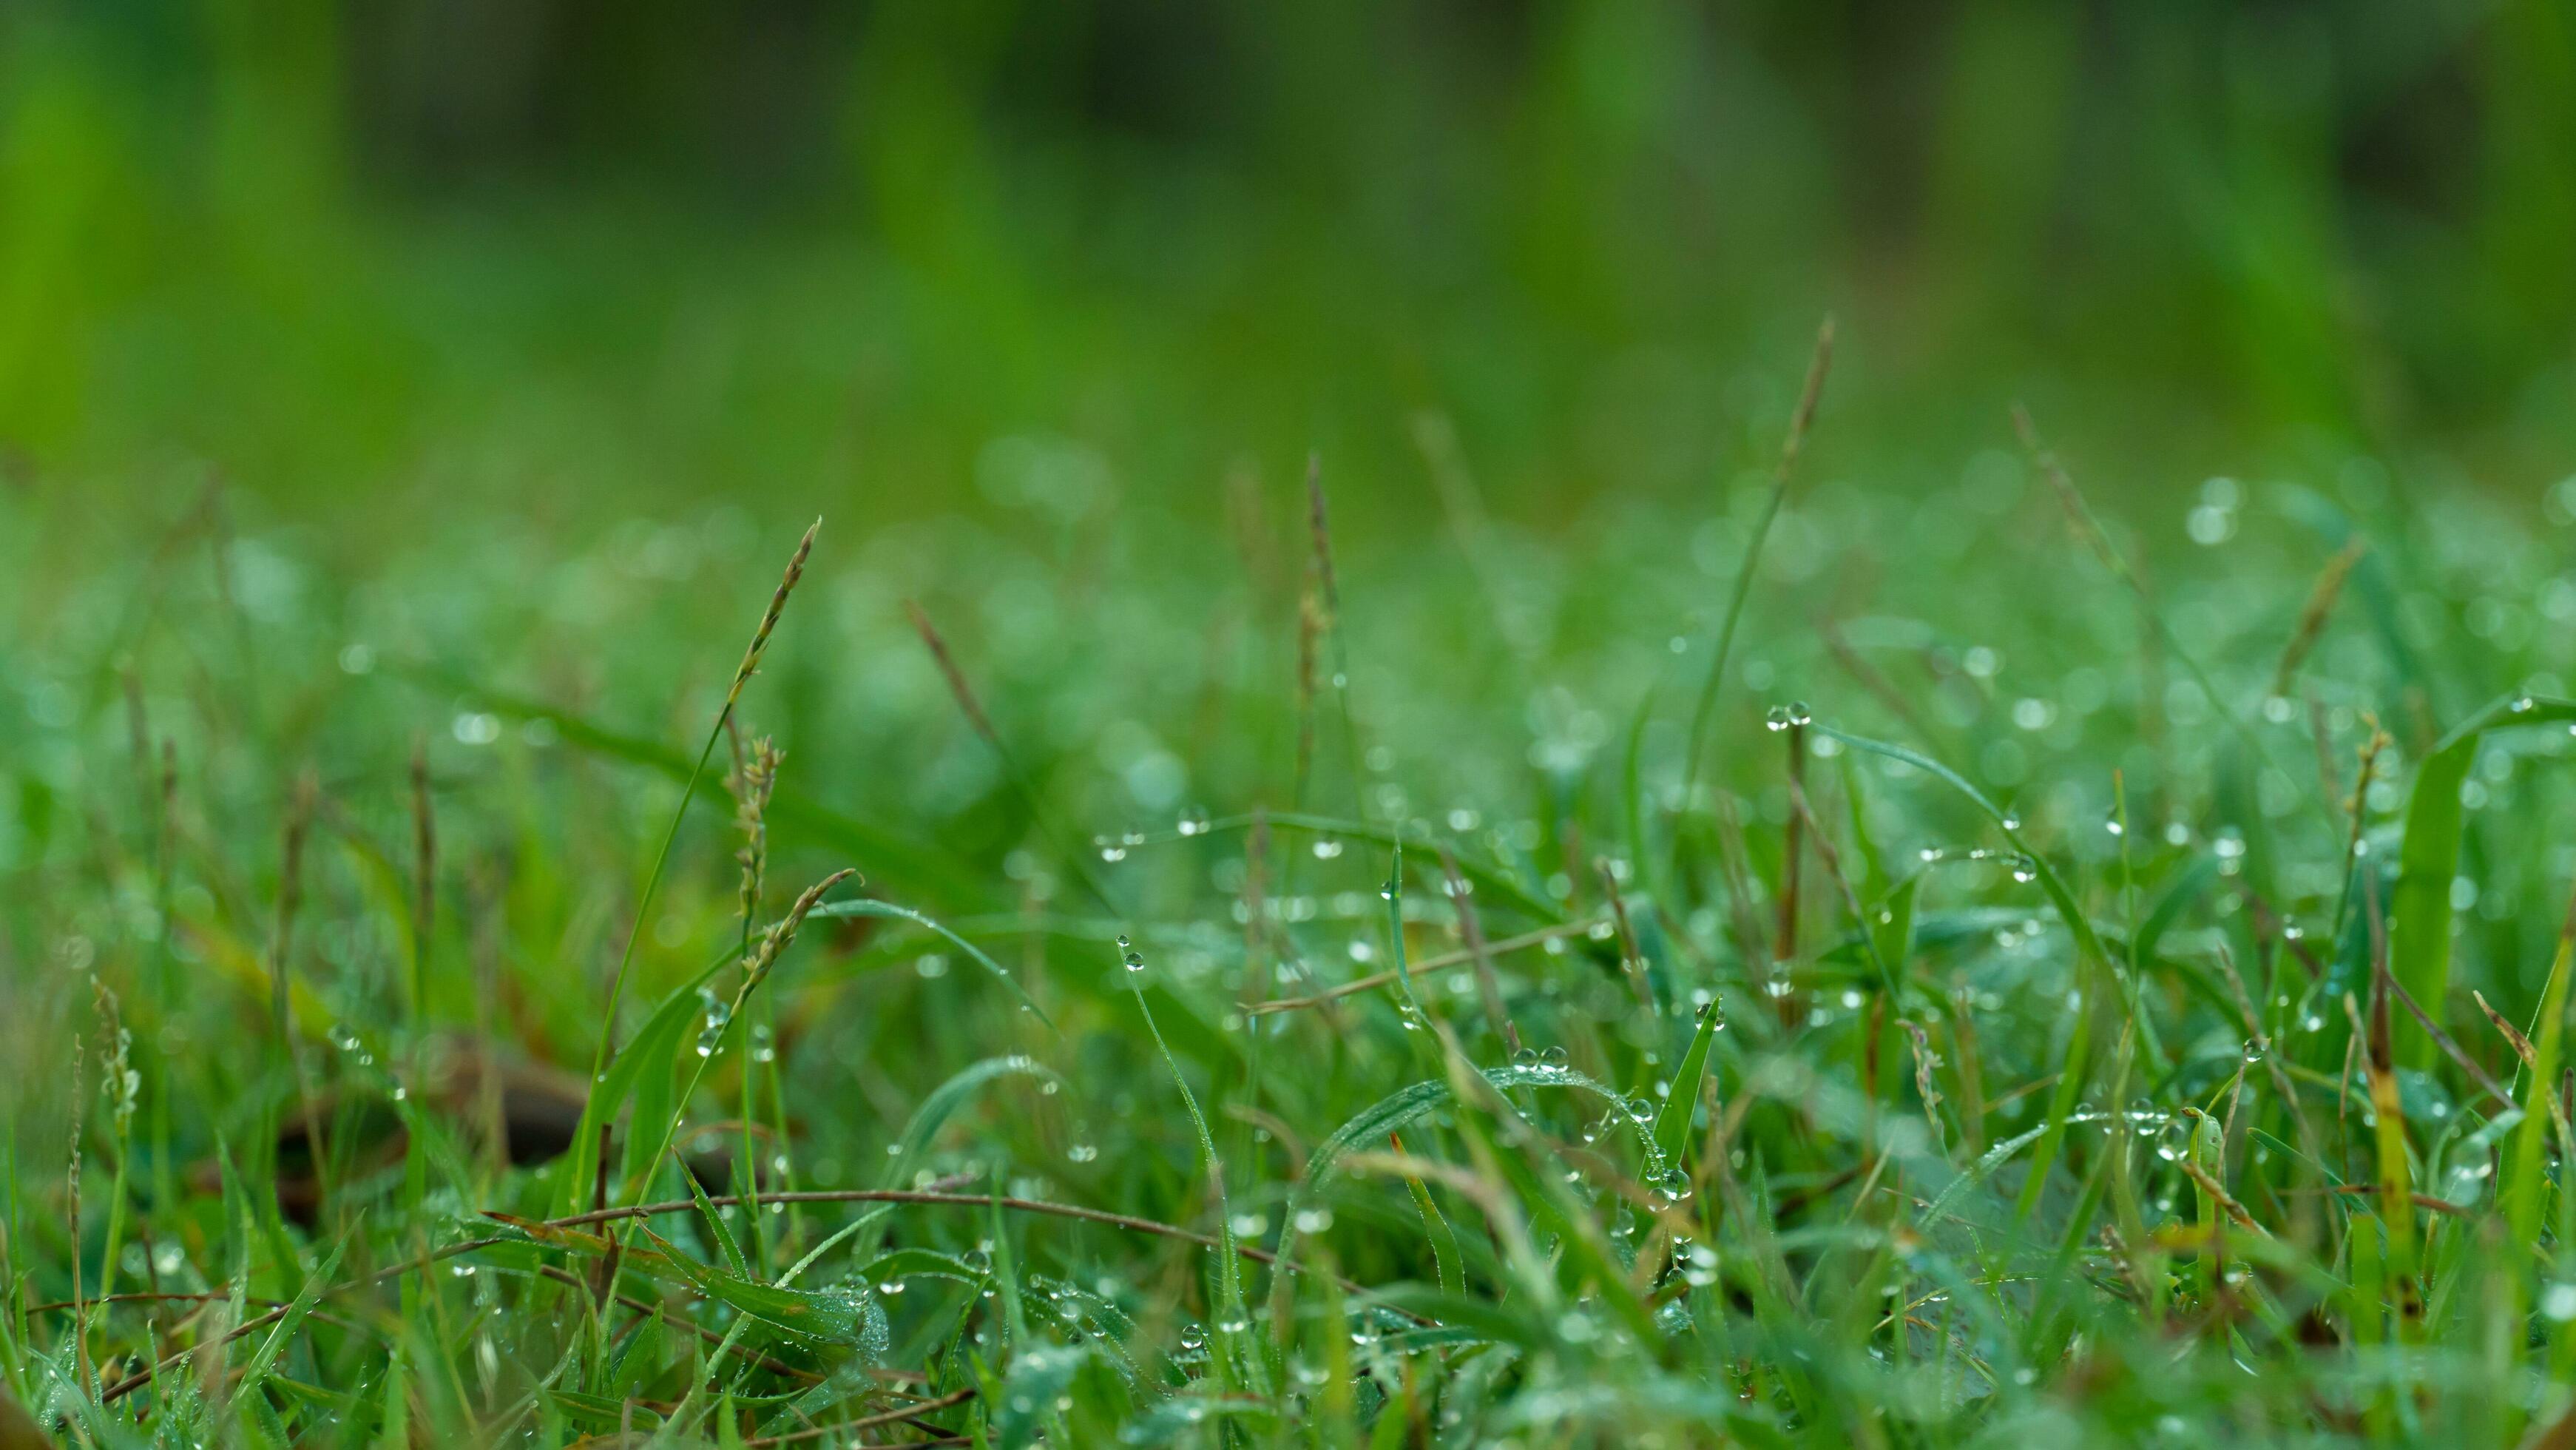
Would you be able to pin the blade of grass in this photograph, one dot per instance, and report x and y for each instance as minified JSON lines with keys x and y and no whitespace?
{"x":586,"y":1149}
{"x":2419,"y":927}
{"x":1706,"y":709}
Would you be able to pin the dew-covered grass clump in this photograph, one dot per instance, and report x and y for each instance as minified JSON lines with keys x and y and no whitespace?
{"x":1945,"y":982}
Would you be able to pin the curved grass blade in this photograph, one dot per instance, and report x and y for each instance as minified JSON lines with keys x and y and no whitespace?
{"x":2419,"y":929}
{"x":933,"y":1114}
{"x":1444,"y":1240}
{"x":1392,"y":1114}
{"x":1037,"y":1377}
{"x":830,"y":1316}
{"x":1702,"y":712}
{"x":2090,"y":953}
{"x":914,"y":1263}
{"x":256,"y":1373}
{"x":1189,"y":1414}
{"x":2528,"y":1181}
{"x":1229,"y":1262}
{"x":869,"y":906}
{"x":1673,"y":1124}
{"x":652,"y":1046}
{"x":1484,"y":875}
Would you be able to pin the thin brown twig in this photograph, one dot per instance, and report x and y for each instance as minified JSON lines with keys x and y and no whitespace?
{"x":2479,"y":1075}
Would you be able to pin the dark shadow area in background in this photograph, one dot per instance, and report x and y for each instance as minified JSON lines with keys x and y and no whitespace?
{"x":540,"y":246}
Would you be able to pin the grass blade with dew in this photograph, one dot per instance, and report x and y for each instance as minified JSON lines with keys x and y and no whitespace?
{"x":1395,"y":1112}
{"x":1520,"y":1155}
{"x":586,"y":1134}
{"x":888,"y":911}
{"x":2091,"y":955}
{"x":1705,"y":711}
{"x":756,"y":969}
{"x":2419,"y":928}
{"x":256,"y":1373}
{"x":1392,"y":893}
{"x":1673,"y":1123}
{"x":2527,"y":1180}
{"x":2088,"y":526}
{"x":642,"y":1071}
{"x":1488,"y":877}
{"x":1444,"y":1241}
{"x":2388,"y":1131}
{"x":1238,"y":1318}
{"x":933,"y":1114}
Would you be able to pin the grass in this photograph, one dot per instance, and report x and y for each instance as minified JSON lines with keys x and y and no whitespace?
{"x":1908,"y":981}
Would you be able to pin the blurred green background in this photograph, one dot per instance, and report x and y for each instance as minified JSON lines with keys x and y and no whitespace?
{"x":385,"y":264}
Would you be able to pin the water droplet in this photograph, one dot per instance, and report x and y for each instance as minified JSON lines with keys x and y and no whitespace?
{"x":1082,"y":1153}
{"x":1778,"y":719}
{"x":1327,"y":849}
{"x":1554,"y":1057}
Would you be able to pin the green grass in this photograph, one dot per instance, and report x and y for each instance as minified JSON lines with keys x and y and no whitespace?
{"x":2069,"y":1095}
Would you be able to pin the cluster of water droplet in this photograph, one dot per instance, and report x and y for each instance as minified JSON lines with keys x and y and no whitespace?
{"x":1784,"y":716}
{"x":718,"y":1017}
